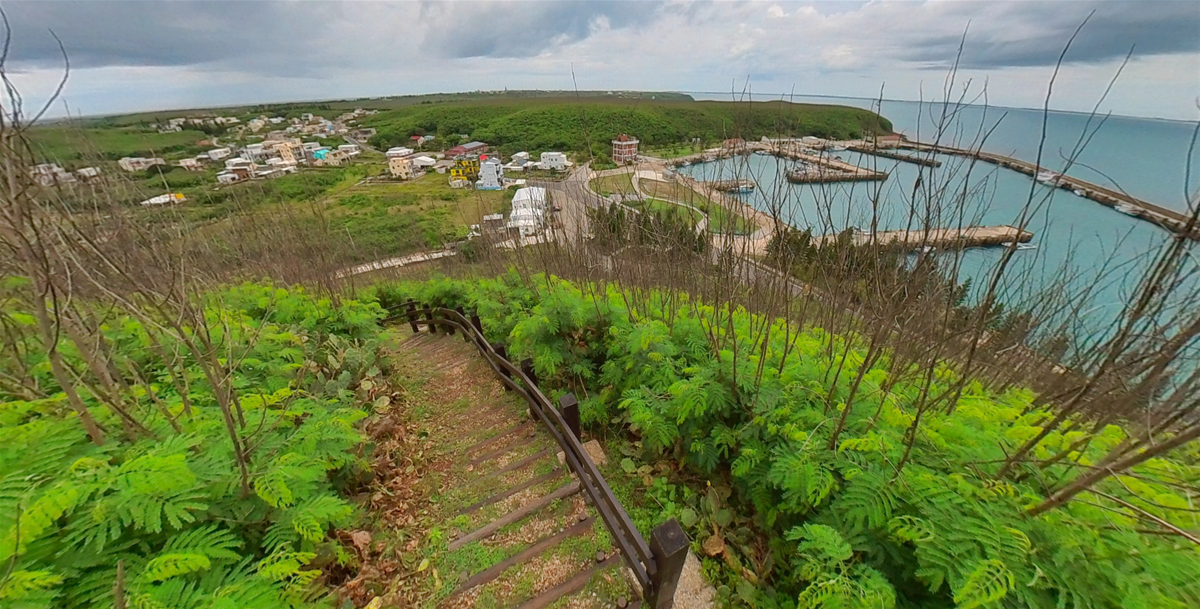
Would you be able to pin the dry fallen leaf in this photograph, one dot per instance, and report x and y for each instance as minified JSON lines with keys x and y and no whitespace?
{"x":714,"y":545}
{"x":360,"y":539}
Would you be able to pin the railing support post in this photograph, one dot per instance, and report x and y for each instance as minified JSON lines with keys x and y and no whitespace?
{"x":503,"y":353}
{"x":669,"y":545}
{"x":429,"y":318}
{"x":466,"y":333}
{"x":410,"y":307}
{"x":475,"y":322}
{"x":569,"y":407}
{"x":527,"y":370}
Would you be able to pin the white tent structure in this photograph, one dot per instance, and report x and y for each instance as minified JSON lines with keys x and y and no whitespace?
{"x":528,"y":210}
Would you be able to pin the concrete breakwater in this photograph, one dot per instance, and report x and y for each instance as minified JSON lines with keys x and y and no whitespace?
{"x":907,"y":158}
{"x":943,"y":238}
{"x":1167,"y":218}
{"x":742,"y":185}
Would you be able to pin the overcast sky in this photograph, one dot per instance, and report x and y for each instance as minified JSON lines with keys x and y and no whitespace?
{"x":128,"y":56}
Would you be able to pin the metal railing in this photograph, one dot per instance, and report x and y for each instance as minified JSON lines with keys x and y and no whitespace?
{"x":656,"y":566}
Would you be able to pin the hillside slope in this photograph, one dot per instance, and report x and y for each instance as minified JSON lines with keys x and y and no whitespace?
{"x":572,"y":125}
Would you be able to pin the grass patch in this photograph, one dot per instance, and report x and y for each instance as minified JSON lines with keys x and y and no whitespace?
{"x":65,"y":144}
{"x":674,"y":151}
{"x":618,"y":184}
{"x":665,"y":208}
{"x":720,"y":219}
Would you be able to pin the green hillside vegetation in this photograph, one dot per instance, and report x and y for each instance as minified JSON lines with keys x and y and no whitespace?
{"x":68,"y":144}
{"x":160,"y":507}
{"x":580,"y":126}
{"x":390,"y":218}
{"x":330,"y":109}
{"x":792,"y":509}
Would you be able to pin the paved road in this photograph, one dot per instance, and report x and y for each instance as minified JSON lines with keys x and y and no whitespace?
{"x":575,"y":199}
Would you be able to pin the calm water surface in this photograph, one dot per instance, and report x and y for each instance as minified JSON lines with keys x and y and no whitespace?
{"x":1098,"y":246}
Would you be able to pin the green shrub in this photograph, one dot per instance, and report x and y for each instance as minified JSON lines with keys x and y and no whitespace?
{"x":817,"y":527}
{"x":169,"y":505}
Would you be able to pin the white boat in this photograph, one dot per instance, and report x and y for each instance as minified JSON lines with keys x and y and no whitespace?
{"x":1079,"y":193}
{"x":1020,"y":246}
{"x":1126,"y":209}
{"x":835,"y":148}
{"x":1046,"y":176}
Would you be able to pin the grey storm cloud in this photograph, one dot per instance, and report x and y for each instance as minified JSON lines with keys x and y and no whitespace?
{"x":287,"y":39}
{"x":123,"y":33}
{"x":1034,"y":34}
{"x":521,"y":29}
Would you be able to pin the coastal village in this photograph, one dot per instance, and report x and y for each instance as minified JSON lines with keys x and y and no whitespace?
{"x":266,"y":147}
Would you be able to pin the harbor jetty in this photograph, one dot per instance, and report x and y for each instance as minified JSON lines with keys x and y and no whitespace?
{"x":819,"y":168}
{"x":740,"y":186}
{"x":940,"y":238}
{"x":887,"y":154}
{"x":1169,"y":219}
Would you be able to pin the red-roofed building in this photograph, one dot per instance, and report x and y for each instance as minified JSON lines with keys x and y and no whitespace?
{"x":625,"y":149}
{"x":468,"y":149}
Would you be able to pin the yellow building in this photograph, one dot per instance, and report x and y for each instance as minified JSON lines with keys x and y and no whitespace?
{"x":465,"y":169}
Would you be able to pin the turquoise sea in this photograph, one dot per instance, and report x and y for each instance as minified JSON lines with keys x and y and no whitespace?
{"x":1078,"y":240}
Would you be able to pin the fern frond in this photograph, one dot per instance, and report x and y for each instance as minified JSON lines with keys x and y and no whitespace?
{"x":987,"y":583}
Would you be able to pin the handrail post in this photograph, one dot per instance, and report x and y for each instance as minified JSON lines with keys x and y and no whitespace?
{"x":569,"y":407}
{"x":429,"y":318}
{"x":527,"y":370}
{"x":503,"y":353}
{"x":476,"y":322}
{"x":669,"y":544}
{"x":411,"y":313}
{"x":466,"y":333}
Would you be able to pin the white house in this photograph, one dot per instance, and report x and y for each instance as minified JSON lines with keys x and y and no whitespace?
{"x":255,"y":152}
{"x":532,"y":198}
{"x":171,"y":197}
{"x":423,"y":162}
{"x":49,"y":174}
{"x":491,"y":175}
{"x":519,"y":162}
{"x":399,"y":151}
{"x":88,"y":173}
{"x":191,"y":165}
{"x":554,"y":160}
{"x":350,"y":149}
{"x":217,"y":154}
{"x":139,"y":163}
{"x":228,"y":177}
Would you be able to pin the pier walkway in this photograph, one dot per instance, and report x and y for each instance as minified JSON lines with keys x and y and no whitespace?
{"x":944,"y":238}
{"x":883,"y":153}
{"x":1167,"y":218}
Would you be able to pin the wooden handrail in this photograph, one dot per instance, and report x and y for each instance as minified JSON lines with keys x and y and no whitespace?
{"x":656,"y":566}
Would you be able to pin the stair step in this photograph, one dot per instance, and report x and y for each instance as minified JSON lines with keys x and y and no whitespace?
{"x":487,"y":575}
{"x":571,"y":586}
{"x":554,"y":473}
{"x":523,"y":463}
{"x":514,"y":516}
{"x":507,"y":448}
{"x":515,"y":429}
